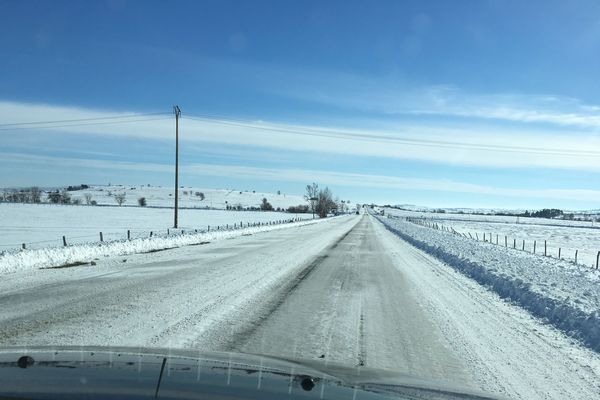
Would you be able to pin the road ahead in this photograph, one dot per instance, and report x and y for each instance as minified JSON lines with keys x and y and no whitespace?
{"x":344,"y":290}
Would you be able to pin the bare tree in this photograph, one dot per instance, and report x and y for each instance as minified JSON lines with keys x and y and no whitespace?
{"x":312,"y":192}
{"x":142,"y":201}
{"x":342,"y":206}
{"x":325,"y":203}
{"x":120,"y":198}
{"x":88,"y":198}
{"x":65,"y":197}
{"x":36,"y":195}
{"x":265,"y":205}
{"x":54,"y":197}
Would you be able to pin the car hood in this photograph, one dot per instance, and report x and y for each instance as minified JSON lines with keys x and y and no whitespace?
{"x":141,"y":373}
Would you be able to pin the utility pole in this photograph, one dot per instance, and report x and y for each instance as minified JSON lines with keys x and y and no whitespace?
{"x":177,"y":113}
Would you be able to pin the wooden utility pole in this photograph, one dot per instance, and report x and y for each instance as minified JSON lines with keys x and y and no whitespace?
{"x":177,"y":113}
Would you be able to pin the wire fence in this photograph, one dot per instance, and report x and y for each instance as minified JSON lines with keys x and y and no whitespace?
{"x":131,"y":234}
{"x":531,"y":246}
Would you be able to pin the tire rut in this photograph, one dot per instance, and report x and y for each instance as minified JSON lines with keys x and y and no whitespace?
{"x":239,"y":338}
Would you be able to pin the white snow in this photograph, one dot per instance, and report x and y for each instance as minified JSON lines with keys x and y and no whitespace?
{"x":43,"y":225}
{"x":159,"y":196}
{"x":562,"y":293}
{"x":506,"y":350}
{"x":569,"y":236}
{"x":86,"y":252}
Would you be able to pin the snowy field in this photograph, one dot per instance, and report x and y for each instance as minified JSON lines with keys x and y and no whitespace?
{"x":560,"y":292}
{"x":159,"y":196}
{"x":569,"y":236}
{"x":43,"y":225}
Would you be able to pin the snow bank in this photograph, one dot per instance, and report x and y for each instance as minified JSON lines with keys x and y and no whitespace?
{"x":559,"y":292}
{"x":52,"y":257}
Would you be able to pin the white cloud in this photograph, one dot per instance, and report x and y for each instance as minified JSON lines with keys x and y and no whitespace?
{"x":302,"y":176}
{"x":470,"y":145}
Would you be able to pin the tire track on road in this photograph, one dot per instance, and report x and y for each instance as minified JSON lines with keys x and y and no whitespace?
{"x":240,"y":337}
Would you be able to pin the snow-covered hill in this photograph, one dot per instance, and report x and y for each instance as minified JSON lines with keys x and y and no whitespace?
{"x":189,"y":197}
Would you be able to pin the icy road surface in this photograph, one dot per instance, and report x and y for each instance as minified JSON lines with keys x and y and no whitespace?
{"x":345,"y":290}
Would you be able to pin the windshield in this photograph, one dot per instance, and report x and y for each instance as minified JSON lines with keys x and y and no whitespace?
{"x":409,"y":187}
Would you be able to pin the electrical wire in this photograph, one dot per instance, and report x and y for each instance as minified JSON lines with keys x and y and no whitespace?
{"x":84,"y":124}
{"x":83,"y":119}
{"x":390,"y":139}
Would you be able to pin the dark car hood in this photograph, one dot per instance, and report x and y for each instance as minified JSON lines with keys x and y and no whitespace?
{"x":141,"y":373}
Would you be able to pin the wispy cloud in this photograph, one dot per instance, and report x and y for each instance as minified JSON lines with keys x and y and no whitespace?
{"x":302,"y":176}
{"x":389,"y":97}
{"x":469,"y":145}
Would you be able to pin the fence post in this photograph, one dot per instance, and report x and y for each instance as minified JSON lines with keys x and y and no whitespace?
{"x":23,"y":246}
{"x":515,"y":244}
{"x":505,"y":241}
{"x":167,"y":231}
{"x":523,"y":244}
{"x":64,"y":241}
{"x":182,"y":231}
{"x":534,"y":243}
{"x":476,"y":235}
{"x":150,"y":233}
{"x":101,"y":238}
{"x":545,"y":249}
{"x":496,"y":238}
{"x":576,"y":251}
{"x":209,"y":228}
{"x":128,"y":234}
{"x":597,"y":257}
{"x":559,"y":253}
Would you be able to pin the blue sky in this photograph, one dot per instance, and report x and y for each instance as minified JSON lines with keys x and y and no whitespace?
{"x":463,"y":103}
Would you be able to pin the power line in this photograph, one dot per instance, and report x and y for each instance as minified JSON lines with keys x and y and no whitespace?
{"x":390,"y":139}
{"x":62,"y":121}
{"x":83,"y":124}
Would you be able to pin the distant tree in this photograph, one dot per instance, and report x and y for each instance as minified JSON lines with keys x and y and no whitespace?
{"x":65,"y":197}
{"x":298,"y":209}
{"x":88,"y":198}
{"x":312,"y":191}
{"x":76,"y":201}
{"x":265,"y":205}
{"x":547,"y":213}
{"x":142,"y":201}
{"x":36,"y":195}
{"x":185,"y":192}
{"x":201,"y":195}
{"x":324,"y":203}
{"x":120,"y":198}
{"x":54,"y":197}
{"x":279,"y":192}
{"x":93,"y":203}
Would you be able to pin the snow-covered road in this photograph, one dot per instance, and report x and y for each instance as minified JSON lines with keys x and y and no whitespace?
{"x":345,"y":290}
